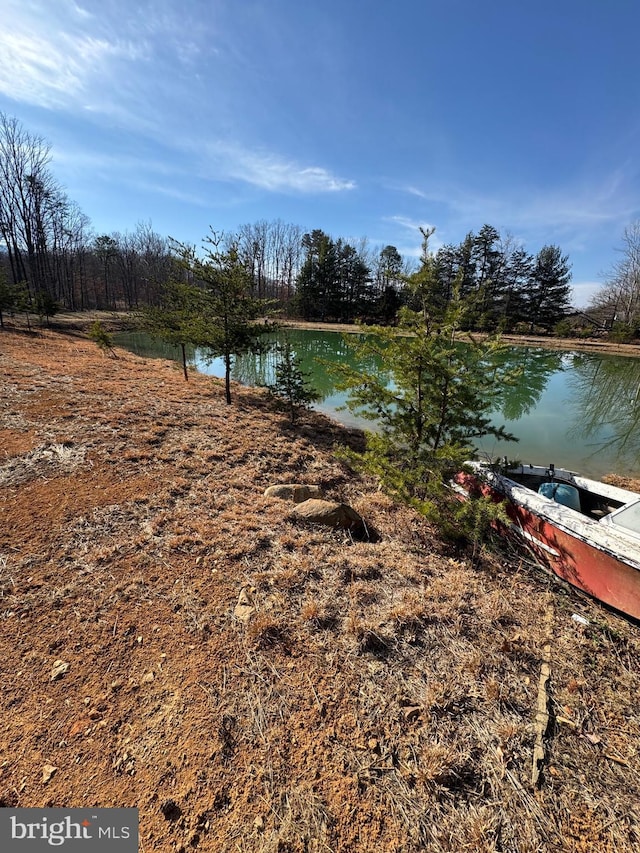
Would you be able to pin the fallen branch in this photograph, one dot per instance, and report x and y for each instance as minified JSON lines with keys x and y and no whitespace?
{"x":542,"y":708}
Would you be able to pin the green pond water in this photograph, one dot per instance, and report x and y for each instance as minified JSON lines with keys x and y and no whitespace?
{"x":578,"y":410}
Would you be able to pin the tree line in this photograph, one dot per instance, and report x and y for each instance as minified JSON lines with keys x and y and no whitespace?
{"x":503,"y":285}
{"x":50,"y":257}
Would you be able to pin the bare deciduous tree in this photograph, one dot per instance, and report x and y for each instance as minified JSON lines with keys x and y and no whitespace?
{"x":271,"y":252}
{"x":43,"y":233}
{"x":621,"y":292}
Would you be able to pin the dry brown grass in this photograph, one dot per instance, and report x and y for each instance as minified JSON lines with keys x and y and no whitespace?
{"x":381,"y":697}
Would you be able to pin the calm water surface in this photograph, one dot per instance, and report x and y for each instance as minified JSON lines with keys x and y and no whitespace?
{"x":578,"y":410}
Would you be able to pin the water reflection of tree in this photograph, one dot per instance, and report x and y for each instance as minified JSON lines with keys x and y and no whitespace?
{"x":529,"y":371}
{"x":256,"y":368}
{"x":145,"y":346}
{"x":607,"y":403}
{"x":316,"y":350}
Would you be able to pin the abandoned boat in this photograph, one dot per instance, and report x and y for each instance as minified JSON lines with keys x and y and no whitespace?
{"x":586,"y":531}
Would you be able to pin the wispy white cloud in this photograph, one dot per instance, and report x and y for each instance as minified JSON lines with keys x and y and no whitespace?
{"x":410,"y":224}
{"x":525,"y":208}
{"x":217,"y":162}
{"x":80,"y":10}
{"x":35,"y":71}
{"x":135,"y":68}
{"x":272,"y":172}
{"x":60,"y":57}
{"x":414,"y":191}
{"x":112,"y":58}
{"x":414,"y":249}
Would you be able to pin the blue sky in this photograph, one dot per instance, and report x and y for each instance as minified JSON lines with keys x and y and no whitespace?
{"x":361,"y":117}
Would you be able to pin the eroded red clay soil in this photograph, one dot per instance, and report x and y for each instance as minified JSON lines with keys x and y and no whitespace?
{"x":381,"y":696}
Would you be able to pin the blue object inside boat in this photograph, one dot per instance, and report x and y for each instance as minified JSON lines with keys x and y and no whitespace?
{"x":561,"y":493}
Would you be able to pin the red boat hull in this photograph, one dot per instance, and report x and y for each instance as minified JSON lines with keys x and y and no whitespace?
{"x":596,"y":572}
{"x":590,"y":566}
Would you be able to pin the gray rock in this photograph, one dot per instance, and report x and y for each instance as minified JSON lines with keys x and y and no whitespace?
{"x":328,"y":513}
{"x":59,"y":668}
{"x":245,"y":608}
{"x":296,"y":492}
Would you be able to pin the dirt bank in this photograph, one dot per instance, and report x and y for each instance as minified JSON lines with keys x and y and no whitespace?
{"x":380,"y":697}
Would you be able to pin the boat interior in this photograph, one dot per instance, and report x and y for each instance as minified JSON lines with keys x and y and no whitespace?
{"x":563,"y":487}
{"x":612,"y":506}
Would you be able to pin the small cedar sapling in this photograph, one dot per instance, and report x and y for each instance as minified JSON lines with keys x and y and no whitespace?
{"x":291,"y":384}
{"x":231,"y":319}
{"x":177,"y":319}
{"x":100,"y":336}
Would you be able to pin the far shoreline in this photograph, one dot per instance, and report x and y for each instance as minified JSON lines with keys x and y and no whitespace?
{"x":123,"y":320}
{"x":582,"y":344}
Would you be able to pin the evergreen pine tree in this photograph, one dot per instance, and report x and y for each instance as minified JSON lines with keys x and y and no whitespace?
{"x":427,"y":418}
{"x":548,"y":296}
{"x":291,"y":383}
{"x":177,"y":319}
{"x":228,"y":322}
{"x":100,"y":336}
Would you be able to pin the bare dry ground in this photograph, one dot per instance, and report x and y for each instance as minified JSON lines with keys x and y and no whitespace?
{"x":381,"y":695}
